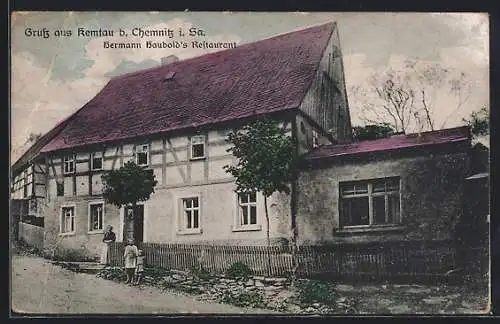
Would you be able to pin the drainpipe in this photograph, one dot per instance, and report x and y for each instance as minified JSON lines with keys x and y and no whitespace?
{"x":293,"y":208}
{"x":293,"y":198}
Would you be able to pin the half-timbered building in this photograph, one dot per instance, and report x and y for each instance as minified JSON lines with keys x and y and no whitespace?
{"x":174,"y":119}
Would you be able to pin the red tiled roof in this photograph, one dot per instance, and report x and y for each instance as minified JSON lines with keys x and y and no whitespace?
{"x":396,"y":142}
{"x":257,"y":78}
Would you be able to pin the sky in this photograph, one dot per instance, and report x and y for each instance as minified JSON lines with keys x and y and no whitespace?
{"x":53,"y":77}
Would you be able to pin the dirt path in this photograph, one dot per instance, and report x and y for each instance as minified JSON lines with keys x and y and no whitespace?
{"x":39,"y":287}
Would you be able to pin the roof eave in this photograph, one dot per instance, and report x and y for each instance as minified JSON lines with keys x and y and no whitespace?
{"x":326,"y":158}
{"x":45,"y":149}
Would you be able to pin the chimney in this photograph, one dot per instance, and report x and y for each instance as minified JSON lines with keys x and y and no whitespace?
{"x":169,"y":59}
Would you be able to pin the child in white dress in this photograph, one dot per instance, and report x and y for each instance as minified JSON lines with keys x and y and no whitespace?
{"x":130,"y":257}
{"x":139,"y":269}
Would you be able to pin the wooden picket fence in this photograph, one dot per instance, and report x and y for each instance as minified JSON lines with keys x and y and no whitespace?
{"x":213,"y":258}
{"x":407,"y":259}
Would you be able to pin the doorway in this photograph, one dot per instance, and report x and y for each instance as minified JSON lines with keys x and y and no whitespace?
{"x":139,"y":224}
{"x":137,"y":229}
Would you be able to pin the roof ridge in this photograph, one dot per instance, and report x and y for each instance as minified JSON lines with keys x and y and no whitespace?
{"x":159,"y":67}
{"x":437,"y":137}
{"x":438,"y":130}
{"x":209,"y":91}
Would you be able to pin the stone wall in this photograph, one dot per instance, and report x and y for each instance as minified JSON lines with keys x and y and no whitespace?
{"x":31,"y":235}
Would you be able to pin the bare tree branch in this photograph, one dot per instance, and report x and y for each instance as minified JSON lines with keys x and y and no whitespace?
{"x":381,"y":115}
{"x":405,"y":98}
{"x":427,"y":111}
{"x":395,"y":117}
{"x":459,"y":104}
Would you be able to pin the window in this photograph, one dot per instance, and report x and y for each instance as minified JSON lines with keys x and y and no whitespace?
{"x":302,"y":128}
{"x":68,"y":219}
{"x":247,"y":202}
{"x":197,"y":147}
{"x":96,"y":214}
{"x":69,"y":164}
{"x":96,"y":161}
{"x":60,"y":188}
{"x":315,"y":139}
{"x":142,"y":154}
{"x":190,"y":213}
{"x":25,"y":189}
{"x":370,"y":203}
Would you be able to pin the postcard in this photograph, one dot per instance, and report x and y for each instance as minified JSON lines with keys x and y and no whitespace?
{"x":187,"y":163}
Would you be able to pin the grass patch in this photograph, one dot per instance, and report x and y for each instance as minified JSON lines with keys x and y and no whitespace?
{"x":243,"y":299}
{"x":316,"y":292}
{"x":156,"y":272}
{"x":238,"y":270}
{"x":201,"y":273}
{"x":189,"y":289}
{"x":22,"y":248}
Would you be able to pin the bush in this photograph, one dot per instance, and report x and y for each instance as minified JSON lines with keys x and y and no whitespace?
{"x":201,"y":273}
{"x":243,"y":299}
{"x":113,"y":273}
{"x":22,"y":247}
{"x":238,"y":270}
{"x":316,"y":292}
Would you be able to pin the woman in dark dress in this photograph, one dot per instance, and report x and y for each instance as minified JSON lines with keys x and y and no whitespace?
{"x":108,"y":238}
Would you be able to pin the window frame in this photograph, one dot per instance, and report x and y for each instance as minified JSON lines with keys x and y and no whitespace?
{"x":303,"y":127}
{"x":136,"y":154}
{"x":25,"y":185}
{"x":94,"y":203}
{"x":202,"y":141}
{"x":315,"y":139}
{"x":238,"y":223}
{"x":370,"y":194}
{"x":59,"y":185}
{"x":182,"y":228}
{"x":73,"y":206}
{"x":69,"y":158}
{"x":92,"y":157}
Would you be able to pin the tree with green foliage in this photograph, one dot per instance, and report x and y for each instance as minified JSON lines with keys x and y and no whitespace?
{"x":479,"y":122}
{"x":267,"y":160}
{"x":127,"y":186}
{"x":372,"y":132}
